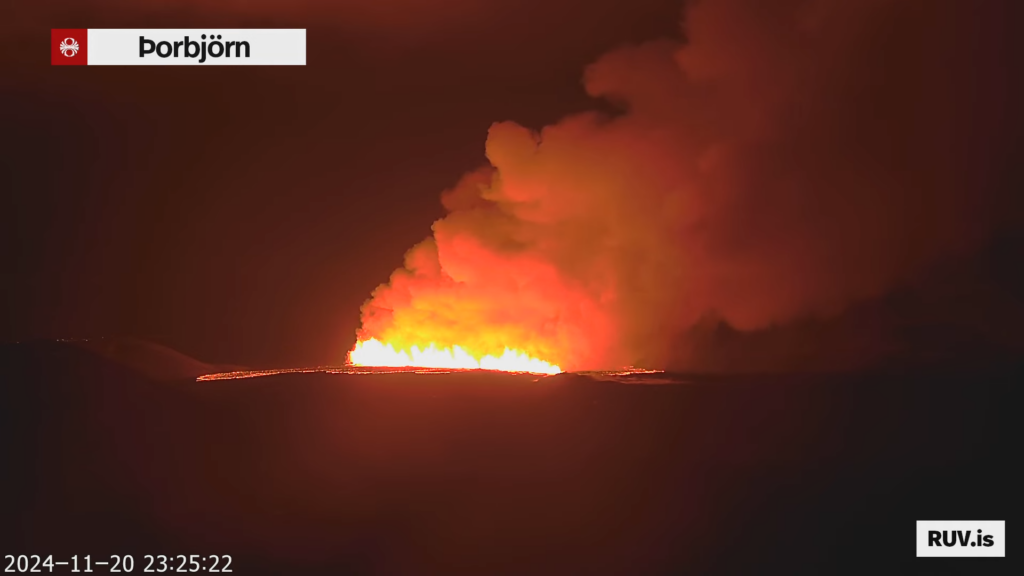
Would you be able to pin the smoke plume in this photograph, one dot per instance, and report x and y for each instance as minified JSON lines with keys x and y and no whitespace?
{"x":780,"y":160}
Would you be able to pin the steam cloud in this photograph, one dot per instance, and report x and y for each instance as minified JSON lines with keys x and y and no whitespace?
{"x":787,"y":158}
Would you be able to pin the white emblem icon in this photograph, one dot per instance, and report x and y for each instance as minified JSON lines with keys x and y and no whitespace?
{"x":69,"y":47}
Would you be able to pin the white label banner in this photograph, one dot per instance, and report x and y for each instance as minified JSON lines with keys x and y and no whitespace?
{"x":961,"y":538}
{"x":196,"y":47}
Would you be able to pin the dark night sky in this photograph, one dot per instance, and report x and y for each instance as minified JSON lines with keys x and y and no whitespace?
{"x":244,"y":214}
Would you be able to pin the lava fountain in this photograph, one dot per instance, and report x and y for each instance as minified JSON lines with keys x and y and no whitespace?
{"x":373,"y":352}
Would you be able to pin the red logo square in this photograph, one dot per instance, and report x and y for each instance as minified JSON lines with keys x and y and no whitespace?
{"x":68,"y":47}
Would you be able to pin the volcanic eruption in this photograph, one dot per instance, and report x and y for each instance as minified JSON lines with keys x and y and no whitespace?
{"x":780,"y":160}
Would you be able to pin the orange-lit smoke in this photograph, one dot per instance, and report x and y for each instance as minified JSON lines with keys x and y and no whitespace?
{"x":786,"y":159}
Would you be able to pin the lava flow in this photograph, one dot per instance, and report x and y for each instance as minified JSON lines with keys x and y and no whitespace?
{"x":373,"y":352}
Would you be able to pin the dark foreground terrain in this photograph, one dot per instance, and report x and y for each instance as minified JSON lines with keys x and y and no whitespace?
{"x":478,"y":473}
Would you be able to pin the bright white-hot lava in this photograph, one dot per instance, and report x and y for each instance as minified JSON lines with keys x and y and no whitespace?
{"x":373,"y":352}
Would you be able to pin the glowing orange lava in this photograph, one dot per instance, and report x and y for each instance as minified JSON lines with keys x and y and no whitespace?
{"x":373,"y":352}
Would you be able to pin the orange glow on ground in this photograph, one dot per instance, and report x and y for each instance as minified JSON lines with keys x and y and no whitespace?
{"x":624,"y":375}
{"x":351,"y":370}
{"x":373,"y":352}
